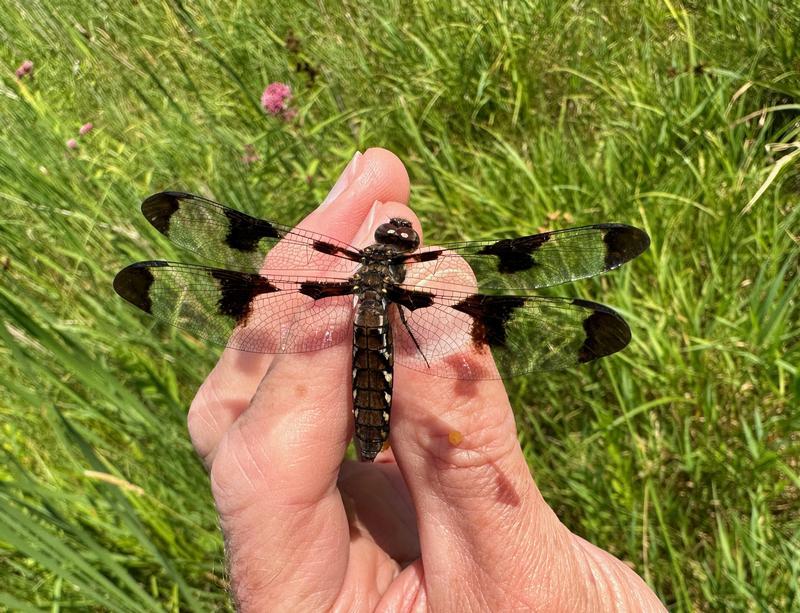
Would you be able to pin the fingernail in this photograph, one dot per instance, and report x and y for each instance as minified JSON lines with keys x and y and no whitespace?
{"x":372,"y":215}
{"x":345,"y":180}
{"x":365,"y":233}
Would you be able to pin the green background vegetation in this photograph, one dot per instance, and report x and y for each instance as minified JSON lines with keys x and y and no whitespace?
{"x":679,"y":455}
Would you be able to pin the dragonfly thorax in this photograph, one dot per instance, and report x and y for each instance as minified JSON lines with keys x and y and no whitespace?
{"x":374,"y":276}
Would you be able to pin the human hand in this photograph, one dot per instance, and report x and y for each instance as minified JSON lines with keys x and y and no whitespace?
{"x":430,"y":525}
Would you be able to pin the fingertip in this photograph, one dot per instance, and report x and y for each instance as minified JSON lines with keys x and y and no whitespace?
{"x":375,"y":175}
{"x":390,"y":177}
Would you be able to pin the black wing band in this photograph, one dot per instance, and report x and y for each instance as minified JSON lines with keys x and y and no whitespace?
{"x":479,"y":336}
{"x":236,"y":240}
{"x":246,"y":311}
{"x":529,"y":262}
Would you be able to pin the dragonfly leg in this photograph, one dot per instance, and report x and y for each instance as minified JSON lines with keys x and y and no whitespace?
{"x":410,"y":333}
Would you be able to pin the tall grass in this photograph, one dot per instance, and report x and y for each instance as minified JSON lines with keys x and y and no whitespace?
{"x":680,"y":455}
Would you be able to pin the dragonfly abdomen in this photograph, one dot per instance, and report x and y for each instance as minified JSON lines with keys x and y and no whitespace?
{"x":372,"y":377}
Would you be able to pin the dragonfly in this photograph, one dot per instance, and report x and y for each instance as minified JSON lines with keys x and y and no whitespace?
{"x":460,"y":310}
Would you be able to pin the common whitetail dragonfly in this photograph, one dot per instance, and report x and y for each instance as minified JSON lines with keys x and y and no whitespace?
{"x":457,"y":310}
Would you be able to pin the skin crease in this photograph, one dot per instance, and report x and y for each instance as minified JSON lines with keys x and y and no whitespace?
{"x":430,"y":526}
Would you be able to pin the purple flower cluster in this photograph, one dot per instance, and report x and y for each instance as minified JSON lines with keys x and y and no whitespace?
{"x":275,"y":100}
{"x":24,"y":69}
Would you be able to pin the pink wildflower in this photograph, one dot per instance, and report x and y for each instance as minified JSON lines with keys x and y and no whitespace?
{"x":72,"y":144}
{"x":86,"y":128}
{"x":289,"y":114}
{"x":276,"y":97}
{"x":24,"y":69}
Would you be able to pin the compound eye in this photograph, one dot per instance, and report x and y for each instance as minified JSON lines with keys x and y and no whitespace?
{"x":397,"y":233}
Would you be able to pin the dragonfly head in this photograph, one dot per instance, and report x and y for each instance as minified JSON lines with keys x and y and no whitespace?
{"x":398,"y":233}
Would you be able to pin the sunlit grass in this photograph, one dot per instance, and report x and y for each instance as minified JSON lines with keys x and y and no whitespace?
{"x":680,"y":455}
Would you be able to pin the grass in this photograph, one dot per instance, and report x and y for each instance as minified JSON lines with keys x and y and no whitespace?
{"x":680,"y":455}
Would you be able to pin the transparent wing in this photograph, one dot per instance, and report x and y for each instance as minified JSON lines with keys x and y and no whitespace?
{"x":530,"y":262}
{"x":476,"y":336}
{"x":246,"y":311}
{"x":236,"y":240}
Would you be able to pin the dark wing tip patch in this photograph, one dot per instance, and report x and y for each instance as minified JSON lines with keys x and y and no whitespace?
{"x":243,"y":232}
{"x":606,"y":332}
{"x":623,"y":243}
{"x":133,"y":284}
{"x":159,"y":208}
